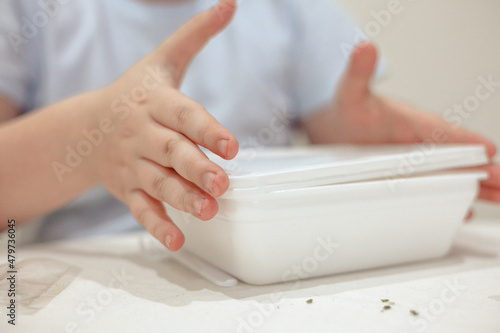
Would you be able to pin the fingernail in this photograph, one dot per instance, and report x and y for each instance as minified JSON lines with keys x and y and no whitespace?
{"x":222,"y":147}
{"x":198,"y":205}
{"x":168,"y":239}
{"x":208,"y":181}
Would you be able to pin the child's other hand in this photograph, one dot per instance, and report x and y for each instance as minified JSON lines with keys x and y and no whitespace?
{"x":150,"y":154}
{"x":358,"y":115}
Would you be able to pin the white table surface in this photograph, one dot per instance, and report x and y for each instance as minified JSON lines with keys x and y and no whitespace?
{"x":125,"y":284}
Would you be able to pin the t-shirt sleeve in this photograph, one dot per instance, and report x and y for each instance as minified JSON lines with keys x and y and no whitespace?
{"x":325,"y":36}
{"x":14,"y":42}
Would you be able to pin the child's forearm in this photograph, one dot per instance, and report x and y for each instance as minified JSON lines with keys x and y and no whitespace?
{"x":44,"y":157}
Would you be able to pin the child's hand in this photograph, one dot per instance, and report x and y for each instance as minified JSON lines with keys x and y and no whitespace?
{"x":357,"y":115}
{"x":151,"y":153}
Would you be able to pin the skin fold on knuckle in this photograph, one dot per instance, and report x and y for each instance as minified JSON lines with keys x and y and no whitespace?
{"x":169,"y":150}
{"x":182,"y":116}
{"x":159,"y":185}
{"x":189,"y":169}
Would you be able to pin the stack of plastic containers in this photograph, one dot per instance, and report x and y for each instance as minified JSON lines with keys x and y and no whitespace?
{"x":300,"y":213}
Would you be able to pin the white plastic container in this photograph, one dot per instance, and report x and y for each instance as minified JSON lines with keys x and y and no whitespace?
{"x":299,"y":213}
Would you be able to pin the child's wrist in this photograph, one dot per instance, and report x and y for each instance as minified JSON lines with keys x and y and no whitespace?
{"x":89,"y":142}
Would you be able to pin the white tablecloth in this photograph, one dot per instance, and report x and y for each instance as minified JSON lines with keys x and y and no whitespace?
{"x":126,"y":284}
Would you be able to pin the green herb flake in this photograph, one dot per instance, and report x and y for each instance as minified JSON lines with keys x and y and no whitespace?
{"x":386,"y":307}
{"x":309,"y":301}
{"x":414,"y":313}
{"x":384,"y":300}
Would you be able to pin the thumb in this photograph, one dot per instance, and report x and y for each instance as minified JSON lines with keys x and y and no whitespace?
{"x":180,"y":48}
{"x":356,"y":80}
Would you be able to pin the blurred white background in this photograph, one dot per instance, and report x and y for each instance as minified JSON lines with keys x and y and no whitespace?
{"x":434,"y":53}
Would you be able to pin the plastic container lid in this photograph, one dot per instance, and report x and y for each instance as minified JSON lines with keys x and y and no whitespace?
{"x":275,"y":169}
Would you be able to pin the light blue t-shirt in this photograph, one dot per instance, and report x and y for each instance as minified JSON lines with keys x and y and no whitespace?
{"x":279,"y":60}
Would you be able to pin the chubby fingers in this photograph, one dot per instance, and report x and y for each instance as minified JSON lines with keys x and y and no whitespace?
{"x":151,"y":214}
{"x":185,"y":116}
{"x":173,"y":150}
{"x":166,"y":185}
